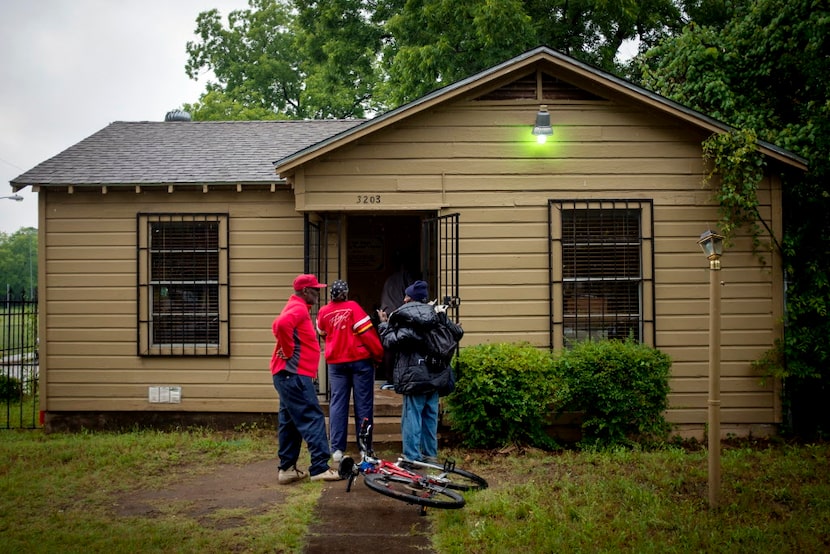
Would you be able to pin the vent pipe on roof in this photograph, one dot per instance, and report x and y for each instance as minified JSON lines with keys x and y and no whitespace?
{"x":177,"y":115}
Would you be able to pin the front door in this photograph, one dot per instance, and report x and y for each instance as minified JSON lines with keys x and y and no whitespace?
{"x":368,"y":250}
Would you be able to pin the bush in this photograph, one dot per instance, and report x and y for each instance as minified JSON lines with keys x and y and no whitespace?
{"x":503,"y":395}
{"x":10,"y":388}
{"x":621,"y":387}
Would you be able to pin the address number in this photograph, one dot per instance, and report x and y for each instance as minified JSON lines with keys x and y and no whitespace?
{"x":368,"y":198}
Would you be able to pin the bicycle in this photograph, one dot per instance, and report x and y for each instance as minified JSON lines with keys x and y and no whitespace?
{"x":426,"y":484}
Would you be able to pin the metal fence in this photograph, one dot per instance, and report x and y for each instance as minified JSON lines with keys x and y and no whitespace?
{"x":19,"y":361}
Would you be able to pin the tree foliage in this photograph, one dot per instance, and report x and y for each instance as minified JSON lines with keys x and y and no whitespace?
{"x":18,"y":262}
{"x":343,"y":58}
{"x":767,"y":71}
{"x":763,"y":66}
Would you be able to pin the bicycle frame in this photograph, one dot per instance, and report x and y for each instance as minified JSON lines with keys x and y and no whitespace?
{"x":395,"y":480}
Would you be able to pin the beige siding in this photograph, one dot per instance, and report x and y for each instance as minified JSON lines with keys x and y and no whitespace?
{"x":90,"y":361}
{"x":477,"y":160}
{"x":480,"y":162}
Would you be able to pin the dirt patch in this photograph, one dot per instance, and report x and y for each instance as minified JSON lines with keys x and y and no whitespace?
{"x":252,"y":487}
{"x":347,"y":522}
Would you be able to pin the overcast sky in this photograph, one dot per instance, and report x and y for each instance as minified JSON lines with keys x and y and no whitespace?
{"x":69,"y":68}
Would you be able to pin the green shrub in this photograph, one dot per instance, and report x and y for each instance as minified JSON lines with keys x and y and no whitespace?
{"x":622,"y":389}
{"x":10,"y":388}
{"x":503,"y":395}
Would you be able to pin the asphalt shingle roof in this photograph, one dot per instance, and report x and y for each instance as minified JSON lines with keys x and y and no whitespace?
{"x":149,"y":152}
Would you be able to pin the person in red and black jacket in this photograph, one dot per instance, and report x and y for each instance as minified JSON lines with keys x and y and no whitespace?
{"x":352,"y":350}
{"x":293,"y":369}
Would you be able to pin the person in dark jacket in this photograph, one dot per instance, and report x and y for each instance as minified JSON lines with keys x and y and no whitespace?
{"x":404,"y":332}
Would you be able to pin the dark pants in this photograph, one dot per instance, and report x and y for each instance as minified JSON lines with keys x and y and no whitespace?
{"x":388,"y":365}
{"x":301,"y":418}
{"x":344,"y":378}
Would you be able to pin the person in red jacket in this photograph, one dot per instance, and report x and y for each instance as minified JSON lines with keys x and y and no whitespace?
{"x":352,"y":350}
{"x":293,"y":369}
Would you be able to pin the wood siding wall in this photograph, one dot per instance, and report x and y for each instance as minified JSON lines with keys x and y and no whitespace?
{"x":479,"y":159}
{"x":474,"y":158}
{"x":89,"y":361}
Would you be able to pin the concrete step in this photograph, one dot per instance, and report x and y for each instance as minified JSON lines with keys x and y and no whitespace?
{"x":386,"y":434}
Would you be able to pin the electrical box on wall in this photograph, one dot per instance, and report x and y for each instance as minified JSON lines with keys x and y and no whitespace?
{"x":165,"y":395}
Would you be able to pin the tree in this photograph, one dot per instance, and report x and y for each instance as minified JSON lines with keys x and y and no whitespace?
{"x":343,"y":58}
{"x":282,"y":61}
{"x":767,"y":71}
{"x":437,"y":42}
{"x":255,"y":60}
{"x":18,"y":262}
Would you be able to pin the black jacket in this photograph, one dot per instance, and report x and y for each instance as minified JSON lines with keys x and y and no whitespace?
{"x":404,"y":335}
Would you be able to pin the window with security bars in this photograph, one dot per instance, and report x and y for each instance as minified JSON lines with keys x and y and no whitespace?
{"x":183,"y":284}
{"x":603,"y":270}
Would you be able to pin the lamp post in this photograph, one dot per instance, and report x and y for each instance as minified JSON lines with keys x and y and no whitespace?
{"x":712,"y":245}
{"x":15,"y":197}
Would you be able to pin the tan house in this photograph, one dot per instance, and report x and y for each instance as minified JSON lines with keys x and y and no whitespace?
{"x":167,"y":248}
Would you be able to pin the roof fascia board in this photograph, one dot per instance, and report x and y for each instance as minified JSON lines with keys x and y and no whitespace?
{"x":438,"y":96}
{"x":541,"y":54}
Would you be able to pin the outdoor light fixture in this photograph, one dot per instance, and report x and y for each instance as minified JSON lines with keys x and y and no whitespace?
{"x":15,"y":197}
{"x":542,"y":130}
{"x":712,"y":245}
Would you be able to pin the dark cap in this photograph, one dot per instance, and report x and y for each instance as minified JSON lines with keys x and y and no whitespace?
{"x":417,"y":291}
{"x":307,"y":281}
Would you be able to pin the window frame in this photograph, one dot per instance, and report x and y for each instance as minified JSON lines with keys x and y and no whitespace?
{"x":559,"y":282}
{"x":217,"y":284}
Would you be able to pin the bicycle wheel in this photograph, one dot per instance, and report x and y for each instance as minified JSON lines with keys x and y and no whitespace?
{"x":447,"y":474}
{"x":413,"y":492}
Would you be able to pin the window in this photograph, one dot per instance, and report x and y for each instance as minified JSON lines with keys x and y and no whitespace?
{"x":183,"y":285}
{"x":602,"y":270}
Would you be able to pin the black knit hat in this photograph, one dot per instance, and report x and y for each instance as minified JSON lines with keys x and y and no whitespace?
{"x":417,"y":291}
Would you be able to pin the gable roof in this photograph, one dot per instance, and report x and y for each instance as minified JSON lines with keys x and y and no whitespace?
{"x":563,"y":67}
{"x":180,"y":152}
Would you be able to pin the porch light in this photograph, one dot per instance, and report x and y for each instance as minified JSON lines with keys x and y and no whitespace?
{"x":15,"y":197}
{"x":542,"y":130}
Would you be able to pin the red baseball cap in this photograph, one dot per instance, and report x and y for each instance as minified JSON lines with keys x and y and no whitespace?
{"x":306,"y":281}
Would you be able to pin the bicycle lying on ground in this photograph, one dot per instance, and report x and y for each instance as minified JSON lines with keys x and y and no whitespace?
{"x":432,"y":485}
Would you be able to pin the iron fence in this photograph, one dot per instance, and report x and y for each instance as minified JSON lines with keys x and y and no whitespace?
{"x":19,"y":360}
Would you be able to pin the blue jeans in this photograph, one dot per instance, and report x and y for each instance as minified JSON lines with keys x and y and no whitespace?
{"x":301,"y":418}
{"x":344,"y":378}
{"x":419,"y":426}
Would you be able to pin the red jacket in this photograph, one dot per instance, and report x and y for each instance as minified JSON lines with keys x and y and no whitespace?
{"x":350,"y":335}
{"x":297,"y":349}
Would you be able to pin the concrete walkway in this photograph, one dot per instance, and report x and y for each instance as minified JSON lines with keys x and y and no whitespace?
{"x":362,"y":521}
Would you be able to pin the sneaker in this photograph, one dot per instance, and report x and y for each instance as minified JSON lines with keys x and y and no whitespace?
{"x":328,"y":475}
{"x":290,"y":475}
{"x":387,"y":386}
{"x":337,"y":456}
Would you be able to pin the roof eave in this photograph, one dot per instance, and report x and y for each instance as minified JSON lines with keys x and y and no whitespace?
{"x":633,"y":92}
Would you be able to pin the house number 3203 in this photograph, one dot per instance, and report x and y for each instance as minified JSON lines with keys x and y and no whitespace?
{"x":368,"y":198}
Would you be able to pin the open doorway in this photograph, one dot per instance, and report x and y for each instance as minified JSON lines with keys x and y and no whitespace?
{"x":378,"y":246}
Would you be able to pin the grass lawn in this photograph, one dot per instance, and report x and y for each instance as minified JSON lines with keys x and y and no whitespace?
{"x":60,"y":493}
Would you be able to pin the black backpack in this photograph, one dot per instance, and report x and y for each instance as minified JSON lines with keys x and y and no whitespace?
{"x":442,"y":341}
